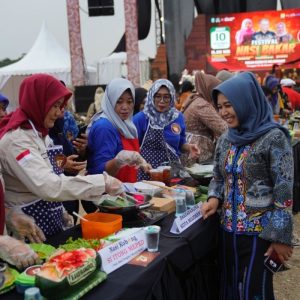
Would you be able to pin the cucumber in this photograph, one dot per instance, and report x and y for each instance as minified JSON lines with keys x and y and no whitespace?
{"x":52,"y":289}
{"x":203,"y":189}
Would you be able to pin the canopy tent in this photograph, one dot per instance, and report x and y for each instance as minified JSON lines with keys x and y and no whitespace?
{"x":115,"y":66}
{"x":45,"y":56}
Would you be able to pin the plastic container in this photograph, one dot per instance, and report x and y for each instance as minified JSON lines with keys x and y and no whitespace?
{"x":100,"y":225}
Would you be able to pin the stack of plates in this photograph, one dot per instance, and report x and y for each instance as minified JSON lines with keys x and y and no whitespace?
{"x":200,"y":171}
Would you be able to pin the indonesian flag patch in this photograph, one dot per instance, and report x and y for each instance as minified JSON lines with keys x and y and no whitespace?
{"x":23,"y":157}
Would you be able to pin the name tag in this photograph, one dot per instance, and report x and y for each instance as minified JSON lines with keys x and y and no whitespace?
{"x":187,"y":219}
{"x":121,"y":252}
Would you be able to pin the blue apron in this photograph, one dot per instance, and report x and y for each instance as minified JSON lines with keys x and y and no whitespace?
{"x":48,"y":215}
{"x":155,"y":150}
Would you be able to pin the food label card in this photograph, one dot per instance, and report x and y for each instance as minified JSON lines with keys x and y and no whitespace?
{"x":185,"y":220}
{"x":121,"y":252}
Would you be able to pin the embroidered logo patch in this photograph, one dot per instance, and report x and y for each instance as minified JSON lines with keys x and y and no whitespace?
{"x":176,"y":128}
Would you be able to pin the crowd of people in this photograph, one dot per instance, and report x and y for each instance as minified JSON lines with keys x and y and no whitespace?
{"x":225,"y":119}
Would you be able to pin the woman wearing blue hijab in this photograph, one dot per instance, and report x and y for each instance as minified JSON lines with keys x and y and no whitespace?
{"x":253,"y":182}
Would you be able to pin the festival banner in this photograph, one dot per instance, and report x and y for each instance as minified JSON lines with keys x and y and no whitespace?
{"x":254,"y":40}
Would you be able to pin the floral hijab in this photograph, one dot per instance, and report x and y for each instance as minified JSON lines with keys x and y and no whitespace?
{"x":160,"y":119}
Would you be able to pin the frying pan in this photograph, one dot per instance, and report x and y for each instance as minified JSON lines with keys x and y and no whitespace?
{"x":127,"y":212}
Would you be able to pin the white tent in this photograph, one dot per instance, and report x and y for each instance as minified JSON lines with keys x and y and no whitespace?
{"x":115,"y":66}
{"x":45,"y":56}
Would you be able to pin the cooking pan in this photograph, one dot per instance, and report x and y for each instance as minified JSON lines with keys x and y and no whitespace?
{"x":128,"y":212}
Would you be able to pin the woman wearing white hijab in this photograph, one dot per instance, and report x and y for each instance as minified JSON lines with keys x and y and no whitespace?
{"x":113,"y":144}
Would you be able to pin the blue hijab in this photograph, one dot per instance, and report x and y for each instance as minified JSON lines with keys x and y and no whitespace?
{"x":251,"y":107}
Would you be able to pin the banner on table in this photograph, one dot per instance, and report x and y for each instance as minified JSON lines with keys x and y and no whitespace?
{"x":254,"y":40}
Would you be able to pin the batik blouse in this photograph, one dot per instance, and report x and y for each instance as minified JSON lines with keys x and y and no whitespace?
{"x":254,"y":184}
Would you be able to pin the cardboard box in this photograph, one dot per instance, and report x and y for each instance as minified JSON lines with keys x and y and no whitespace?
{"x":163,"y":204}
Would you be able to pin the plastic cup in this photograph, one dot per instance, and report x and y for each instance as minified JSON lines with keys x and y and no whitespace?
{"x":156,"y":175}
{"x":190,"y":198}
{"x":152,"y":237}
{"x":180,"y":200}
{"x":166,"y":174}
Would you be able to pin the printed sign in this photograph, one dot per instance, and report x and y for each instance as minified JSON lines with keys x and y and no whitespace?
{"x":254,"y":40}
{"x":187,"y":219}
{"x":121,"y":252}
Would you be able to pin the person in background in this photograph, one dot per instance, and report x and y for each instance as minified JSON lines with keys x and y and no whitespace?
{"x":65,"y":132}
{"x":244,"y":35}
{"x":161,"y":127}
{"x":113,"y":144}
{"x":224,"y":75}
{"x":96,"y":106}
{"x":279,"y":100}
{"x":3,"y":105}
{"x":253,"y":183}
{"x":287,"y":85}
{"x":203,"y":123}
{"x":33,"y":191}
{"x":11,"y":250}
{"x":139,"y":100}
{"x":186,"y":90}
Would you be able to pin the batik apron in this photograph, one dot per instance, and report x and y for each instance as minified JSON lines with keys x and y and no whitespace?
{"x":127,"y":173}
{"x":48,"y":215}
{"x":155,"y":150}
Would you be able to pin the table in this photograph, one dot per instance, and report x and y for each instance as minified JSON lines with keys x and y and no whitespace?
{"x":186,"y":268}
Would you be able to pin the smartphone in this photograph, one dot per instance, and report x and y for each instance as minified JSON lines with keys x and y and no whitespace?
{"x":82,"y":129}
{"x":273,"y":263}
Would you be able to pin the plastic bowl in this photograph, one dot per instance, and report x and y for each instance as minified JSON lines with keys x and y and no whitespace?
{"x":148,"y":188}
{"x":100,"y":225}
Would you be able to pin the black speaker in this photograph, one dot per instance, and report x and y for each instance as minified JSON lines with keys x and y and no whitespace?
{"x":101,"y":8}
{"x":84,"y":96}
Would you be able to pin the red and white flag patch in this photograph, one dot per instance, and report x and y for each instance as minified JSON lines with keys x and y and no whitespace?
{"x":23,"y":157}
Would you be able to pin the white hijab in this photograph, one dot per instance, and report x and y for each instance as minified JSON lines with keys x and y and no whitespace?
{"x":112,"y":94}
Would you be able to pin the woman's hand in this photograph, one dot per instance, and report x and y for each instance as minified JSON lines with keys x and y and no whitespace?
{"x":283,"y":251}
{"x":80,"y":144}
{"x":194,"y":150}
{"x":17,"y":253}
{"x":209,"y":208}
{"x":23,"y":226}
{"x":73,"y":166}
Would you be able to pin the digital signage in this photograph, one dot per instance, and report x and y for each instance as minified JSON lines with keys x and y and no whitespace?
{"x":254,"y":40}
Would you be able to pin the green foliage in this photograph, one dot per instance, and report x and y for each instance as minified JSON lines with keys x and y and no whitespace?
{"x":8,"y":61}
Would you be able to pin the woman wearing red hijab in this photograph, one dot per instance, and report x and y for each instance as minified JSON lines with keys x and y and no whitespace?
{"x":33,"y":191}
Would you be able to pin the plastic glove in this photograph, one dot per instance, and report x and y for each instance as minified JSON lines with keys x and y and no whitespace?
{"x":68,"y":220}
{"x":17,"y":253}
{"x":130,"y":158}
{"x":23,"y":226}
{"x":113,"y":186}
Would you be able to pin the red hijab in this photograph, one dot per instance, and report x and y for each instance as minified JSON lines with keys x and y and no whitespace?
{"x":38,"y":93}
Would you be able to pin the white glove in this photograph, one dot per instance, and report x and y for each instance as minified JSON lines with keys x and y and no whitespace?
{"x":17,"y":253}
{"x":23,"y":226}
{"x":130,"y":158}
{"x":113,"y":186}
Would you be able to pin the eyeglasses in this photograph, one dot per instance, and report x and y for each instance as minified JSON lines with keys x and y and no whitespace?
{"x":165,"y":98}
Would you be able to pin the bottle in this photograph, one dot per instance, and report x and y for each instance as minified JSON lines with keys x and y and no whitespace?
{"x":32,"y":293}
